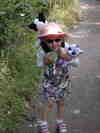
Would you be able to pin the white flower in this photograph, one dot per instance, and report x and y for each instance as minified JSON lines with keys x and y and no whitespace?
{"x":22,"y":14}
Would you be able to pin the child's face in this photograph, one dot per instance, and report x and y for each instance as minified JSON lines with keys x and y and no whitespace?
{"x":54,"y":43}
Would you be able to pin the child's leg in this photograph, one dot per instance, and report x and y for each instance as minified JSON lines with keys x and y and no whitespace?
{"x":60,"y":110}
{"x":61,"y":126}
{"x":42,"y":123}
{"x":46,"y":109}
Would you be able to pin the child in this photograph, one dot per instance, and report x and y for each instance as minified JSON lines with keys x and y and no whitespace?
{"x":55,"y":58}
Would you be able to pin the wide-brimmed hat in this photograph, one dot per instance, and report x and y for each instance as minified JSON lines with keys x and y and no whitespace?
{"x":50,"y":30}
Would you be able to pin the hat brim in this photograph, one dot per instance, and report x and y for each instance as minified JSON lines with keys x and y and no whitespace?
{"x":50,"y":36}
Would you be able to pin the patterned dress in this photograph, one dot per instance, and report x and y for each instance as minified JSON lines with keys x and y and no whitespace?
{"x":56,"y":82}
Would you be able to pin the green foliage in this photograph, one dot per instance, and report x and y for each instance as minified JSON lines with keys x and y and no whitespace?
{"x":19,"y":78}
{"x":15,"y":17}
{"x":65,"y":12}
{"x":11,"y":105}
{"x":18,"y":72}
{"x":27,"y":73}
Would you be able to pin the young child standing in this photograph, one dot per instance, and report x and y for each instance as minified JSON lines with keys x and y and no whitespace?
{"x":55,"y":61}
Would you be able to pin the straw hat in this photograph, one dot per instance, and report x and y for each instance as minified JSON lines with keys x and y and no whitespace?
{"x":50,"y":30}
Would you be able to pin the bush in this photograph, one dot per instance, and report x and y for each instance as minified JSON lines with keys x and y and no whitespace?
{"x":11,"y":105}
{"x":19,"y":79}
{"x":18,"y":73}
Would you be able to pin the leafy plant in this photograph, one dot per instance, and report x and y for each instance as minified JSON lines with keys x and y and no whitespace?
{"x":18,"y":74}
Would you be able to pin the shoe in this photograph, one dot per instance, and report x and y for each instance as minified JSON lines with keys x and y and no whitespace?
{"x":61,"y":128}
{"x":43,"y":128}
{"x":38,"y":126}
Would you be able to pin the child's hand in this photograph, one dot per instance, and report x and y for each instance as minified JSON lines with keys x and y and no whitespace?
{"x":50,"y":58}
{"x":63,"y":54}
{"x":47,"y":60}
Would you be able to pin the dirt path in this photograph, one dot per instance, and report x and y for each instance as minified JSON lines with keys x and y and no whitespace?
{"x":84,"y":108}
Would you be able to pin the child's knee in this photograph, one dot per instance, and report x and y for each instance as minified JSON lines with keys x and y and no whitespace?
{"x":50,"y":105}
{"x":60,"y":103}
